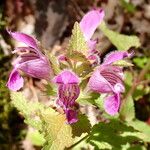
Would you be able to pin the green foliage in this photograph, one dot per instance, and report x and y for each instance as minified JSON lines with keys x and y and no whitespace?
{"x":50,"y":89}
{"x":77,"y":41}
{"x":113,"y":135}
{"x":128,"y":6}
{"x":140,"y":61}
{"x":127,"y":111}
{"x":87,"y":98}
{"x":82,"y":126}
{"x":36,"y":138}
{"x":142,"y":127}
{"x":57,"y":133}
{"x":83,"y":145}
{"x":54,"y":62}
{"x":28,"y":109}
{"x":51,"y":125}
{"x":122,"y":42}
{"x":82,"y":66}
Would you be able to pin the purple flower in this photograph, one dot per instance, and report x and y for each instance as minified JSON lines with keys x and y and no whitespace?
{"x":68,"y":92}
{"x":108,"y":79}
{"x":30,"y":61}
{"x":88,"y":25}
{"x":90,"y":22}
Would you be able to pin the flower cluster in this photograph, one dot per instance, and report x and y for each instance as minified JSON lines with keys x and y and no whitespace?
{"x":106,"y":78}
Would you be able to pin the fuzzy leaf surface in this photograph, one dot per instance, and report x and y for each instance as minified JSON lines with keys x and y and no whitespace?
{"x":112,"y":135}
{"x":122,"y":42}
{"x":57,"y":133}
{"x":77,"y":41}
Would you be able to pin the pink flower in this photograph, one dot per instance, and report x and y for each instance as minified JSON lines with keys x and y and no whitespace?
{"x":90,"y":22}
{"x":68,"y":92}
{"x":88,"y":25}
{"x":108,"y":79}
{"x":30,"y":61}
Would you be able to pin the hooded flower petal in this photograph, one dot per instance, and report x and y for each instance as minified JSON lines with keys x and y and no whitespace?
{"x":98,"y":83}
{"x":90,"y":22}
{"x":71,"y":116}
{"x":66,"y":77}
{"x":112,"y":74}
{"x":112,"y":104}
{"x":106,"y":79}
{"x":15,"y":81}
{"x":37,"y":68}
{"x":115,"y":56}
{"x":24,"y":38}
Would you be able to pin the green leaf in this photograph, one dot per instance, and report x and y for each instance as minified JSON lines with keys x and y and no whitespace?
{"x":112,"y":135}
{"x":142,"y":127}
{"x":77,"y":41}
{"x":82,"y":126}
{"x":122,"y":42}
{"x":57,"y":133}
{"x":28,"y":109}
{"x":51,"y":89}
{"x":25,"y":107}
{"x":36,"y":138}
{"x":82,"y":64}
{"x":87,"y":98}
{"x":54,"y":62}
{"x":83,"y":145}
{"x":127,"y":111}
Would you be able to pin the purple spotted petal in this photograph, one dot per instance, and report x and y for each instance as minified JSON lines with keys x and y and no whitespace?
{"x":71,"y":116}
{"x":66,"y":77}
{"x":67,"y":93}
{"x":112,"y":104}
{"x":115,"y":56}
{"x":90,"y":22}
{"x":15,"y":81}
{"x":37,"y":68}
{"x":24,"y":38}
{"x":99,"y":84}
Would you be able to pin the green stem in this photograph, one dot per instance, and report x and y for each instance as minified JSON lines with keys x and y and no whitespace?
{"x":75,"y":144}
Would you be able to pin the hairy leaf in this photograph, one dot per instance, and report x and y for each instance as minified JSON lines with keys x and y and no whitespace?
{"x":28,"y":109}
{"x":142,"y":127}
{"x":36,"y":138}
{"x":57,"y":133}
{"x":82,"y":126}
{"x":77,"y":41}
{"x":111,"y":135}
{"x":122,"y":42}
{"x":127,"y":111}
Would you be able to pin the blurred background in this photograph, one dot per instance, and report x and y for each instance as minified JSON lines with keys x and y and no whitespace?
{"x":51,"y":22}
